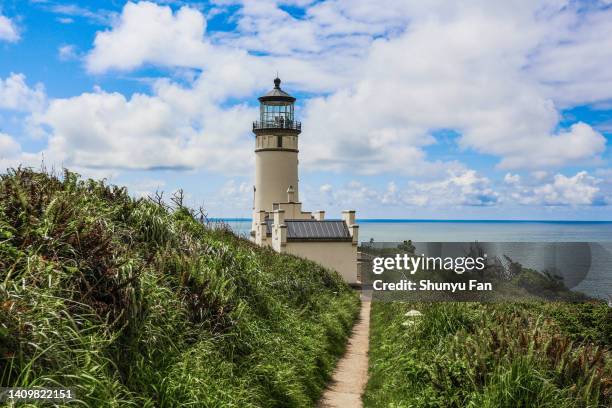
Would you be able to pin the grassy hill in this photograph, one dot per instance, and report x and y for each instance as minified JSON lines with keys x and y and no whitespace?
{"x":132,"y":303}
{"x":488,"y":355}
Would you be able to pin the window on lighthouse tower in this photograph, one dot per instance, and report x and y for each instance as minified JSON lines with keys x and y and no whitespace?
{"x":277,"y":114}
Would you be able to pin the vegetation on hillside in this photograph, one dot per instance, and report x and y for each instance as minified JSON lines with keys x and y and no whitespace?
{"x":490,"y":355}
{"x":133,"y":303}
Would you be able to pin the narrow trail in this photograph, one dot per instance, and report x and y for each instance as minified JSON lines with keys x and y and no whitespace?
{"x":351,"y":374}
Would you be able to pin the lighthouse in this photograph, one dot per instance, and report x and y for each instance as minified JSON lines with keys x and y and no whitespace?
{"x":278,"y":218}
{"x":276,"y":149}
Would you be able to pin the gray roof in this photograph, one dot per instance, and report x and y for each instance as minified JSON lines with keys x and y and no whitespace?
{"x":277,"y":94}
{"x":313,"y":230}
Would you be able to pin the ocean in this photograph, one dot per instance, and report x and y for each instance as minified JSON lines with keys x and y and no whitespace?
{"x":468,"y":231}
{"x":597,"y":282}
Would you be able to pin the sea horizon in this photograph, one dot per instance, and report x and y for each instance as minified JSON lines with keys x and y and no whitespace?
{"x":411,"y":220}
{"x":446,"y":230}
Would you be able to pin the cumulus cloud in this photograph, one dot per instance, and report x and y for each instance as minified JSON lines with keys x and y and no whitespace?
{"x":176,"y":127}
{"x":12,"y":155}
{"x":463,"y":72}
{"x":67,"y":13}
{"x":391,"y":73}
{"x":236,"y":192}
{"x":9,"y":148}
{"x":148,"y":33}
{"x":468,"y":188}
{"x":457,"y":188}
{"x":233,"y":197}
{"x":67,"y":52}
{"x":325,"y":188}
{"x":108,"y":130}
{"x":580,"y":189}
{"x":146,"y":187}
{"x":579,"y":144}
{"x":15,"y":94}
{"x":510,"y":178}
{"x":571,"y":65}
{"x":394,"y":72}
{"x":8,"y":30}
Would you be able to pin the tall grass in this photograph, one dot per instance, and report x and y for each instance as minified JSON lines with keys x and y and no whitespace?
{"x":136,"y":304}
{"x":488,"y":355}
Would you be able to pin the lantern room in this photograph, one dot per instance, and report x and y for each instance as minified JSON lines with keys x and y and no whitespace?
{"x":276,"y":110}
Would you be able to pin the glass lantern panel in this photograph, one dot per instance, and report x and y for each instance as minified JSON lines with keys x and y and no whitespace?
{"x":276,"y":114}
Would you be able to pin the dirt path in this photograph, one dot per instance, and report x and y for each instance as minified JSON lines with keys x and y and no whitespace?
{"x":351,"y":374}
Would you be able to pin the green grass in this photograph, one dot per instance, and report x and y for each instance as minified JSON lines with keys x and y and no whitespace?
{"x":490,"y":355}
{"x":133,"y":303}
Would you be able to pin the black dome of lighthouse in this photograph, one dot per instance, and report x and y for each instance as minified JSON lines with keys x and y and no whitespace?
{"x":277,"y":94}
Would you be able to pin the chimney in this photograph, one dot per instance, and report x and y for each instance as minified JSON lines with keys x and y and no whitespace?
{"x":348,"y":216}
{"x":319,"y":215}
{"x":349,"y":219}
{"x":290,"y":195}
{"x":279,"y":217}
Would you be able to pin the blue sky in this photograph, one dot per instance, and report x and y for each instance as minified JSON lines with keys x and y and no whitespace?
{"x":464,"y":110}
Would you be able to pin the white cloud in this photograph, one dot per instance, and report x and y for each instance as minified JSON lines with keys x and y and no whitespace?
{"x":580,"y":189}
{"x":457,"y":188}
{"x":462,"y":72}
{"x":573,"y":63}
{"x":605,"y":174}
{"x":145,"y":187}
{"x":11,"y":154}
{"x":233,"y":197}
{"x":65,"y":20}
{"x":469,"y":68}
{"x":467,"y":188}
{"x":539,"y":174}
{"x":176,"y":128}
{"x":148,"y":33}
{"x":579,"y":144}
{"x":393,"y":74}
{"x":233,"y":190}
{"x":510,"y":178}
{"x":9,"y":148}
{"x":15,"y":94}
{"x":325,"y":188}
{"x":67,"y":52}
{"x":8,"y":30}
{"x":67,"y":11}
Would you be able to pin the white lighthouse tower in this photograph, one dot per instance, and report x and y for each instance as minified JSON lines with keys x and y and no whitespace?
{"x":278,"y":219}
{"x":276,"y":149}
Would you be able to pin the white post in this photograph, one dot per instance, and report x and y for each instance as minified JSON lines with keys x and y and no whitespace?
{"x":348,"y":217}
{"x":261,"y":232}
{"x":279,"y":217}
{"x":279,"y":231}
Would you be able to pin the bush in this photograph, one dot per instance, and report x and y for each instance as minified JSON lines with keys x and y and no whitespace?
{"x":137,"y":304}
{"x":486,"y":355}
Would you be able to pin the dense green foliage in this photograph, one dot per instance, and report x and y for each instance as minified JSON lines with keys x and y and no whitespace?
{"x":135,"y":304}
{"x":490,"y":355}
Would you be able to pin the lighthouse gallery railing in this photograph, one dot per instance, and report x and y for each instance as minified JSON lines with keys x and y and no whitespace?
{"x":277,"y":124}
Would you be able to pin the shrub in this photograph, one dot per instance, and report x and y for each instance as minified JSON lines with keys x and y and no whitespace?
{"x":134,"y":303}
